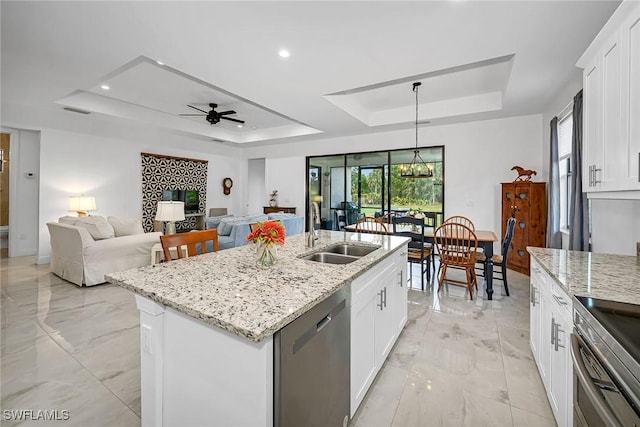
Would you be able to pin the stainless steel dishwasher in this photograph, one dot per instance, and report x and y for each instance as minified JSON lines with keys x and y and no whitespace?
{"x":311,"y":366}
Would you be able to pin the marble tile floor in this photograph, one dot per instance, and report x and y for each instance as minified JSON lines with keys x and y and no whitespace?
{"x":458,"y":362}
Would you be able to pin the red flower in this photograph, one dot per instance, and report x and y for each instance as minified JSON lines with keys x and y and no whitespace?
{"x":268,"y":232}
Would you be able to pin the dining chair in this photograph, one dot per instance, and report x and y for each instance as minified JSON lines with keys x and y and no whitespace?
{"x":369,"y":224}
{"x":457,"y":245}
{"x":420,"y":252}
{"x":459,"y":219}
{"x":196,"y":243}
{"x":388,"y":217}
{"x":500,"y":260}
{"x":254,"y":225}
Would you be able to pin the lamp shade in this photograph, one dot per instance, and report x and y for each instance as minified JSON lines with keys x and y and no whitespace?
{"x":82,"y":203}
{"x":170,"y":211}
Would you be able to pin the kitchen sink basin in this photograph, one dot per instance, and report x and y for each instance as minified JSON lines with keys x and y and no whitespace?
{"x":331,"y":258}
{"x":353,"y":250}
{"x":342,"y":253}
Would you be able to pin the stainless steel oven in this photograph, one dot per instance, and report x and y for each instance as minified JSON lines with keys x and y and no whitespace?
{"x":605,"y":348}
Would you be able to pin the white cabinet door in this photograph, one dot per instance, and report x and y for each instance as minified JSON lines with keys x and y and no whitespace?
{"x":373,"y":330}
{"x":386,"y":331}
{"x":534,"y":311}
{"x":592,"y":107}
{"x":631,"y":123}
{"x":611,"y":141}
{"x":400,"y":293}
{"x":363,"y":353}
{"x":560,"y":389}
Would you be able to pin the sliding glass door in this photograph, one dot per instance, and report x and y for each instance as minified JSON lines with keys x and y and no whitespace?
{"x":349,"y":186}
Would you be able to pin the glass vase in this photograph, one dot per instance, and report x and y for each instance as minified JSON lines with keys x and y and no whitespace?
{"x":266,"y":254}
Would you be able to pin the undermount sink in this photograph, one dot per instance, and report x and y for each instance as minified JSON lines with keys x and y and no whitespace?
{"x":342,"y":253}
{"x":353,"y":250}
{"x":331,"y":258}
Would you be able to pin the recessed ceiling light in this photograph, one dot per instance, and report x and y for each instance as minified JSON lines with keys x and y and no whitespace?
{"x":240,"y":126}
{"x":284,"y":53}
{"x":105,"y":87}
{"x":160,"y":63}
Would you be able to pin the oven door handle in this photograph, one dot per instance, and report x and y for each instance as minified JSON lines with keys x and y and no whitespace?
{"x":589,"y":386}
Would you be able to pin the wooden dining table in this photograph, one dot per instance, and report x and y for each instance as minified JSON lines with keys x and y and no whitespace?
{"x":486,"y":239}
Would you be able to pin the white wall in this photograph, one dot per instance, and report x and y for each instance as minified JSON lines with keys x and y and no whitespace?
{"x":256,"y":191}
{"x":288,"y":176}
{"x":478,"y":157}
{"x":110,"y":169}
{"x":615,"y":226}
{"x":23,"y":187}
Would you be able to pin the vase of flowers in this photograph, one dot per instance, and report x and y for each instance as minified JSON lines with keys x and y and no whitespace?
{"x":266,"y":235}
{"x":273,"y":198}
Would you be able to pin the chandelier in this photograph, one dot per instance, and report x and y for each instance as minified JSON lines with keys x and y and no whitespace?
{"x":417,"y":168}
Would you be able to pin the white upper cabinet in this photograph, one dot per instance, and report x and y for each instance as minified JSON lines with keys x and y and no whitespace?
{"x":611,"y":109}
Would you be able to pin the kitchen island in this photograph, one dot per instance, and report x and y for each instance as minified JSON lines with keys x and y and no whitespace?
{"x":207,"y":324}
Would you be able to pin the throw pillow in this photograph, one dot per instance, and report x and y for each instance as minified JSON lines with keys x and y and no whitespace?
{"x":96,"y":225}
{"x":126,"y":226}
{"x":214,"y":221}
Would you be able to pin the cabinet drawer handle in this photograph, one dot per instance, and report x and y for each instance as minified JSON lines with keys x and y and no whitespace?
{"x":380,"y":303}
{"x":385,"y":296}
{"x":553,"y":331}
{"x":400,"y":273}
{"x":559,"y":300}
{"x":590,"y":175}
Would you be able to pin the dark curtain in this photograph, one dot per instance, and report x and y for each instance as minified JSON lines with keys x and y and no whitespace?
{"x":554,"y":237}
{"x":578,"y":209}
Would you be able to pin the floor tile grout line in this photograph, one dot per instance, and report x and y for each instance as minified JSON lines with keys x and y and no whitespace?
{"x":37,"y":321}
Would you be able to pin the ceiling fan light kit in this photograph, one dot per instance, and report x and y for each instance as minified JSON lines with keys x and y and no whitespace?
{"x":417,"y":168}
{"x":213,"y":116}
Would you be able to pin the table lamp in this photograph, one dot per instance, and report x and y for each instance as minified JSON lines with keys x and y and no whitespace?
{"x":82,"y":204}
{"x":170,"y":212}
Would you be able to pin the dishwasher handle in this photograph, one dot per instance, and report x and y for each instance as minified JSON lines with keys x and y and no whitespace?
{"x":316,"y":327}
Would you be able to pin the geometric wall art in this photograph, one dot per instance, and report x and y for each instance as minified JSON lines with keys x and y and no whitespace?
{"x":160,"y":172}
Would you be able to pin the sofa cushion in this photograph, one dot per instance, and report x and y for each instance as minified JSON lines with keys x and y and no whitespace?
{"x":69,"y":220}
{"x":96,"y":225}
{"x":214,"y":221}
{"x":126,"y":226}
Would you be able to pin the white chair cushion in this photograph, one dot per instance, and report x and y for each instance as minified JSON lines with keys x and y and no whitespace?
{"x":126,"y":226}
{"x":96,"y":225}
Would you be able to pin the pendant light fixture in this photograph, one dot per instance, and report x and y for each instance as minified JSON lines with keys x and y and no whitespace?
{"x":417,"y":168}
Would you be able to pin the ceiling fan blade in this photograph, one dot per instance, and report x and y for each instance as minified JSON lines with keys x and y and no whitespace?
{"x":188,"y":115}
{"x":232,"y":120}
{"x":195,"y":108}
{"x":224,"y":113}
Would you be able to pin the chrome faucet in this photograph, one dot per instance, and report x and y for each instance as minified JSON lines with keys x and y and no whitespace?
{"x":314,"y":219}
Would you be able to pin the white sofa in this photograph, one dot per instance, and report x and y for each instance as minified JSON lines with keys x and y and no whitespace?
{"x":84,"y":250}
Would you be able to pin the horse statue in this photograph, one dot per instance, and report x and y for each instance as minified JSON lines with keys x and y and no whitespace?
{"x":523,"y":174}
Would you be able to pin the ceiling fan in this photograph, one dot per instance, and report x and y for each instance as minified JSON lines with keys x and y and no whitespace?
{"x":214,"y":116}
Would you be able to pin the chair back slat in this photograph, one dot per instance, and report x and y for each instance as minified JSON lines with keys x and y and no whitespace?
{"x":462,"y":220}
{"x":193,"y":241}
{"x":369,"y":224}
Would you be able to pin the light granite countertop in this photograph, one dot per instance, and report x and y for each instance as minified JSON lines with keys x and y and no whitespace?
{"x":602,"y":276}
{"x":228,"y":290}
